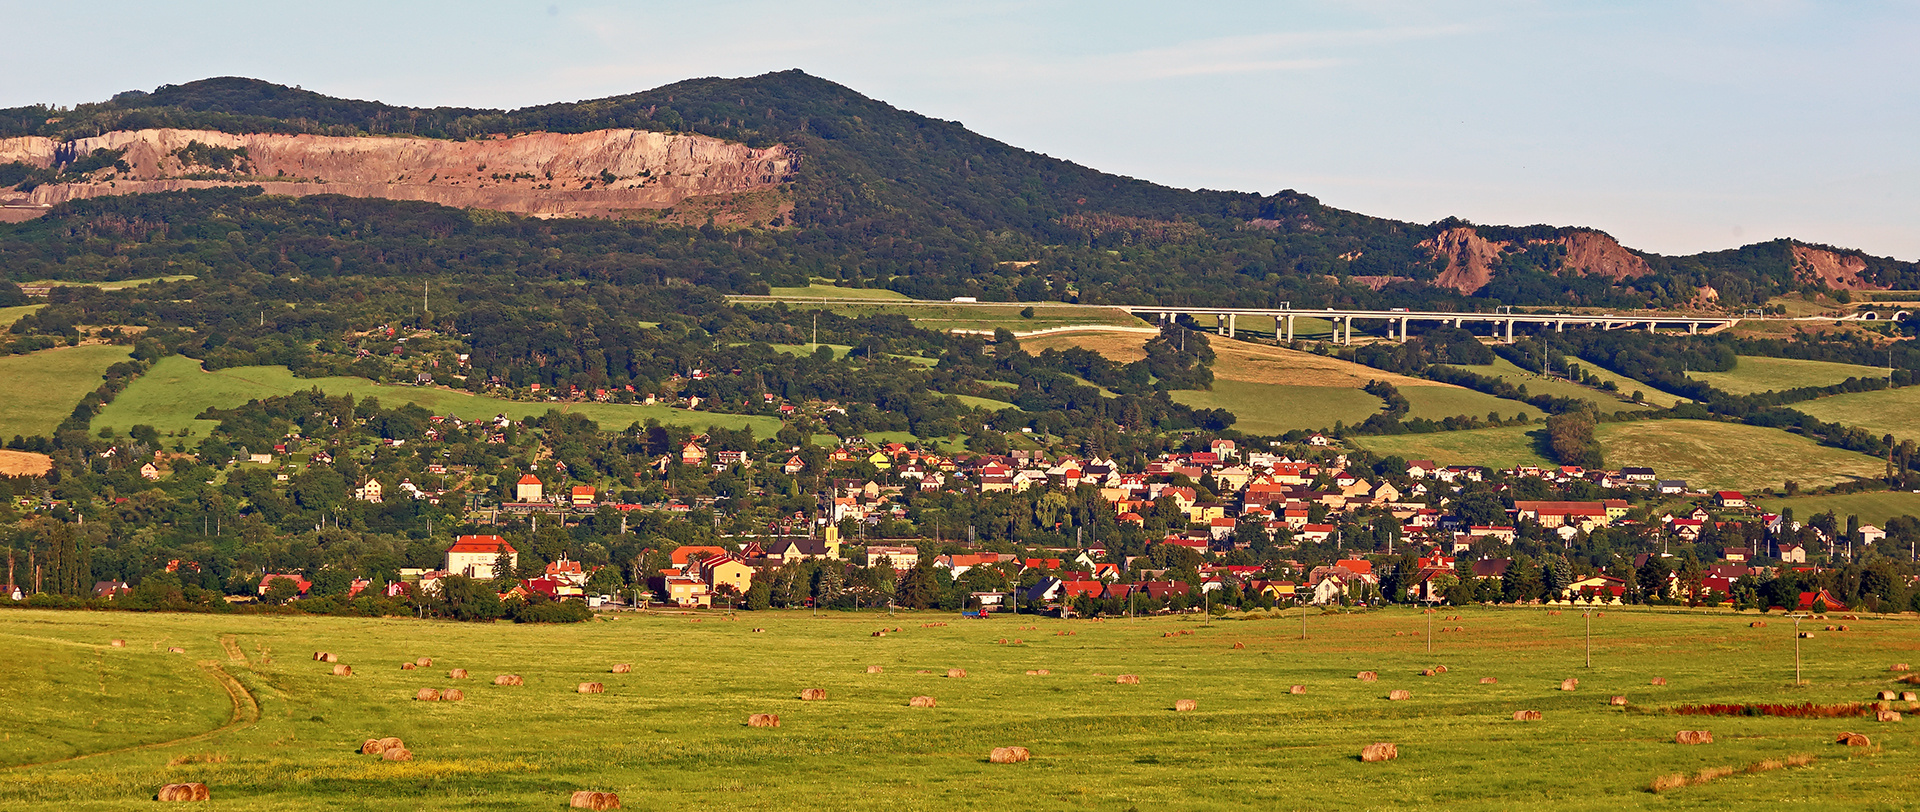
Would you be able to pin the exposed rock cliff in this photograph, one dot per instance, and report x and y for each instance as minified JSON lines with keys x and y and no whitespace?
{"x":1470,"y":257}
{"x":1839,"y":271}
{"x":600,"y":173}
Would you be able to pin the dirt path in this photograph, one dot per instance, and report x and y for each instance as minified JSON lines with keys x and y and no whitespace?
{"x":246,"y":713}
{"x":234,"y":654}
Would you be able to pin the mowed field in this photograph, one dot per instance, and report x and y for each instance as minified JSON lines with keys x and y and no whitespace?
{"x":1752,"y":373}
{"x":9,"y":315}
{"x":1273,"y":390}
{"x":1888,"y":411}
{"x":672,"y":734}
{"x":1707,"y":454}
{"x":946,"y":316}
{"x":42,"y":388}
{"x":171,"y":394}
{"x":1562,"y":388}
{"x":1873,"y":507}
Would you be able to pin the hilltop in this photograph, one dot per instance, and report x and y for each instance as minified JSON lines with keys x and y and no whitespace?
{"x":899,"y":200}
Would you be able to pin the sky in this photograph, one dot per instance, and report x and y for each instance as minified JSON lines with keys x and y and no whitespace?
{"x":1678,"y":126}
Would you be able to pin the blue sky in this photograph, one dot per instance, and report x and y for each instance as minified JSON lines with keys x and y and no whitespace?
{"x":1678,"y":126}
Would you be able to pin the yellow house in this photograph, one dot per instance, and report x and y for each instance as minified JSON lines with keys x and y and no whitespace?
{"x":687,"y":591}
{"x":1201,"y":514}
{"x":880,"y":460}
{"x":730,"y":573}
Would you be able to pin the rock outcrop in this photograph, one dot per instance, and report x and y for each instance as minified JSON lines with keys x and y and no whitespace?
{"x":594,"y":174}
{"x":1838,"y":271}
{"x":1470,"y":257}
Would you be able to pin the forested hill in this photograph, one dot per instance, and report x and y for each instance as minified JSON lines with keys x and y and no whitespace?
{"x":887,"y":197}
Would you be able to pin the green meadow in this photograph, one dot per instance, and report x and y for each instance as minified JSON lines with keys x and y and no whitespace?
{"x":1274,"y":408}
{"x":43,"y":387}
{"x":1752,"y":373}
{"x":9,"y":315}
{"x":176,"y":390}
{"x":1873,"y":507}
{"x":1562,"y":388}
{"x":1888,"y":411}
{"x":246,"y":710}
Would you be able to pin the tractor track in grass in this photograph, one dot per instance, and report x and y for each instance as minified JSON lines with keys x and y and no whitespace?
{"x":246,"y":713}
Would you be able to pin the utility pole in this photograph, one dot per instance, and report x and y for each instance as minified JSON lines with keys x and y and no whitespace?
{"x":1429,"y":631}
{"x":1589,"y":616}
{"x":1796,"y":650}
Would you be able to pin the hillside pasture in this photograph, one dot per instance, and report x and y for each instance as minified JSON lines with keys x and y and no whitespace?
{"x":1888,"y":411}
{"x":1735,"y":456}
{"x":1559,"y":387}
{"x":284,"y":738}
{"x":1269,"y":408}
{"x":43,"y":387}
{"x":947,"y":316}
{"x":172,"y":394}
{"x":1873,"y":507}
{"x":9,"y":315}
{"x":1504,"y":447}
{"x":1752,"y":374}
{"x":819,"y":291}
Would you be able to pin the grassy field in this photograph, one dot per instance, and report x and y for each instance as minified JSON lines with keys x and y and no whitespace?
{"x":1267,"y":408}
{"x":1628,"y":386}
{"x":1873,"y":507}
{"x":988,"y":316}
{"x":1440,"y":402}
{"x":820,"y":291}
{"x":171,"y":394}
{"x":1758,"y":374}
{"x":1888,"y":411}
{"x":9,"y":315}
{"x":1730,"y":455}
{"x":1562,"y":388}
{"x":671,"y":735}
{"x":120,"y":285}
{"x":43,"y":387}
{"x":1507,"y":447}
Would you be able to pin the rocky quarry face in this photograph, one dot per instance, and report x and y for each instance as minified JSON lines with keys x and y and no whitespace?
{"x":595,"y":174}
{"x":1470,"y":257}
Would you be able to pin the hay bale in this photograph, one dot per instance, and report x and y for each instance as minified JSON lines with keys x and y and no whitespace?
{"x":1693,"y":737}
{"x":623,"y":668}
{"x":1569,"y":684}
{"x":1126,"y":679}
{"x":176,"y":650}
{"x":407,"y":666}
{"x":813,"y":694}
{"x":873,"y":669}
{"x":371,"y":747}
{"x":1657,"y":681}
{"x":1854,"y":740}
{"x":424,"y":662}
{"x":1898,"y":667}
{"x":1840,"y":628}
{"x":956,"y":673}
{"x":1038,"y":672}
{"x":1367,"y":676}
{"x":1399,"y":694}
{"x":1239,"y":645}
{"x":1886,"y":716}
{"x":757,"y":631}
{"x":428,"y":695}
{"x":1618,"y":701}
{"x":879,"y":634}
{"x":1440,"y":668}
{"x":1488,"y":680}
{"x":458,"y":673}
{"x":509,"y":679}
{"x":921,"y":702}
{"x":183,"y":792}
{"x":1909,"y":696}
{"x":1669,"y":781}
{"x":1379,"y":751}
{"x":1428,"y":672}
{"x":1183,"y":705}
{"x":1806,"y":635}
{"x":1526,"y":716}
{"x":591,"y":688}
{"x":343,"y":670}
{"x":391,"y":743}
{"x":1297,"y":689}
{"x":1009,"y":755}
{"x":588,"y":799}
{"x":1888,"y":696}
{"x":764,"y":720}
{"x":397,"y":754}
{"x":329,"y":657}
{"x":117,"y":643}
{"x":453,"y":694}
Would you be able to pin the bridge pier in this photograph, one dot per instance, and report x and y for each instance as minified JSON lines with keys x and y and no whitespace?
{"x":1693,"y":328}
{"x":1403,"y":329}
{"x":1349,"y":336}
{"x":1560,"y":326}
{"x":1650,"y":325}
{"x":1289,"y":327}
{"x":1509,"y":331}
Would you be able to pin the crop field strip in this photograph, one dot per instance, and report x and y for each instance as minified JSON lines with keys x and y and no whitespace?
{"x":1095,"y":744}
{"x":43,"y":387}
{"x":1752,"y":374}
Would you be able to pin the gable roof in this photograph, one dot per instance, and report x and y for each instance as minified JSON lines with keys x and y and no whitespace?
{"x":480,"y":544}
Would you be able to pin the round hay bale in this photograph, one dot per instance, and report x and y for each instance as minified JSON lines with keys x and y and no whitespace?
{"x":921,"y":702}
{"x":1297,"y":689}
{"x":757,"y":631}
{"x":329,"y":657}
{"x":391,"y":743}
{"x":1827,"y":628}
{"x":1854,"y":740}
{"x":623,"y":668}
{"x":343,"y":670}
{"x":764,"y":720}
{"x":1003,"y":641}
{"x":176,"y":650}
{"x":1428,"y":672}
{"x":453,"y":694}
{"x":1399,"y":694}
{"x":1019,"y":642}
{"x":1886,"y":716}
{"x":873,"y":669}
{"x":183,"y":792}
{"x":1239,"y":645}
{"x":1488,"y":680}
{"x":588,"y":799}
{"x":1440,"y":668}
{"x":1618,"y":701}
{"x":1038,"y":672}
{"x":458,"y":673}
{"x":1909,"y":696}
{"x":1806,"y":635}
{"x":117,"y":643}
{"x":407,"y":666}
{"x":508,"y":679}
{"x":397,"y":754}
{"x":1379,"y":751}
{"x":1009,"y":755}
{"x":1126,"y":679}
{"x":591,"y":688}
{"x":1526,"y":716}
{"x":1367,"y":676}
{"x":879,"y":634}
{"x":956,"y":673}
{"x":424,"y":662}
{"x":319,"y":655}
{"x":371,"y":747}
{"x":813,"y":694}
{"x":1569,"y":684}
{"x":428,"y":695}
{"x":1898,"y":667}
{"x":1657,"y":681}
{"x":1183,"y":705}
{"x":1888,"y":696}
{"x":1693,"y":737}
